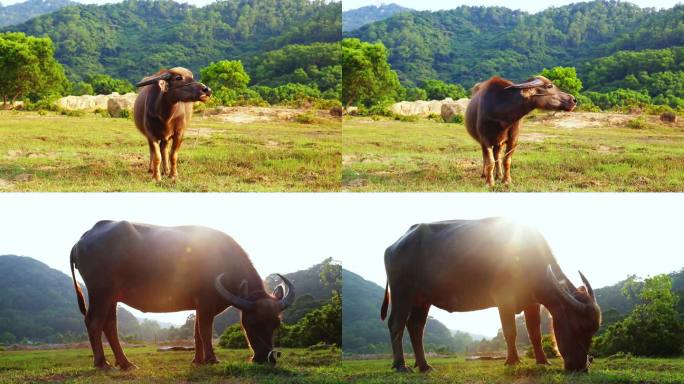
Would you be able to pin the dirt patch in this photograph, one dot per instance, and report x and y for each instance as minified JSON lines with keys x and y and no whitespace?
{"x":534,"y":137}
{"x":605,"y":149}
{"x":574,"y":120}
{"x":24,"y":177}
{"x":246,"y":115}
{"x":203,"y":132}
{"x":5,"y":185}
{"x":272,"y":144}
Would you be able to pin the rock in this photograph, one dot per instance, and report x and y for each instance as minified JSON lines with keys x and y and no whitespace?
{"x":426,"y":108}
{"x":91,"y":103}
{"x":116,"y":104}
{"x":352,"y":111}
{"x":668,"y":117}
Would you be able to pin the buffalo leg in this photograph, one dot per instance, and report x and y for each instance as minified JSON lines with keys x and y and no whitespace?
{"x":397,"y":323}
{"x":177,"y":141}
{"x":488,"y":167}
{"x":150,"y":144}
{"x":164,"y":149}
{"x":533,"y":324}
{"x":508,"y":324}
{"x":156,"y":160}
{"x":112,"y":335}
{"x":206,"y":323}
{"x":416,"y":327}
{"x":199,"y":347}
{"x":497,"y":162}
{"x":511,"y":143}
{"x":95,"y":320}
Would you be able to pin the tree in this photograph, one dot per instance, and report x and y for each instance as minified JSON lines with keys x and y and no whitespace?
{"x":414,"y":93}
{"x":654,"y":327}
{"x":104,"y":85}
{"x":225,"y":75}
{"x":565,"y":78}
{"x":28,"y":66}
{"x":367,"y":77}
{"x":233,"y":337}
{"x":439,"y":90}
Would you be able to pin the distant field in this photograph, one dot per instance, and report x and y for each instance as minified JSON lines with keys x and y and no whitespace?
{"x":93,"y":153}
{"x":580,"y":152}
{"x":74,"y":366}
{"x":456,"y":370}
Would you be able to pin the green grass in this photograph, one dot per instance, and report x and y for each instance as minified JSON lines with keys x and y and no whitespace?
{"x":456,"y":370}
{"x":94,"y":153}
{"x":74,"y":366}
{"x":389,"y":155}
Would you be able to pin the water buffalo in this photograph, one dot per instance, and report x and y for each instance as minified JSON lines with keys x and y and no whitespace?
{"x":468,"y":265}
{"x":165,"y":269}
{"x":494,"y":113}
{"x":162,"y":111}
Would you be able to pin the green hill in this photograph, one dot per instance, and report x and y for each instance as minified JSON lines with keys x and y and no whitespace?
{"x":20,"y":12}
{"x":364,"y":332}
{"x":357,"y":18}
{"x":135,"y":38}
{"x":36,"y":302}
{"x":469,"y":44}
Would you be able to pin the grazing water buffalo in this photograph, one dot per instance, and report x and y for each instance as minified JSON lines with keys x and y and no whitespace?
{"x":165,"y":269}
{"x":162,"y":111}
{"x":494,"y":113}
{"x":468,"y":265}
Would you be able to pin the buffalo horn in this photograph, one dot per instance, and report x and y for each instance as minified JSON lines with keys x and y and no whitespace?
{"x":564,"y":293}
{"x":536,"y":82}
{"x":148,"y":81}
{"x":289,"y":296}
{"x":587,"y":285}
{"x":237,"y":301}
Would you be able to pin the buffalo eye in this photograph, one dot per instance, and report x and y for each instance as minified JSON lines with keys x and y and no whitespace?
{"x":549,"y":86}
{"x":179,"y":77}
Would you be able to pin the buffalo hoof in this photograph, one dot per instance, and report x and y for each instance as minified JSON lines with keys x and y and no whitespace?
{"x":127,"y":366}
{"x":403,"y":369}
{"x":512,"y":361}
{"x":543,"y":362}
{"x":425,"y":368}
{"x":103,"y":366}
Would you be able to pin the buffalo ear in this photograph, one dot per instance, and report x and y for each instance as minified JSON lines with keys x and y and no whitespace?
{"x":527,"y":93}
{"x":279,"y":292}
{"x":243,"y":291}
{"x":157,"y":79}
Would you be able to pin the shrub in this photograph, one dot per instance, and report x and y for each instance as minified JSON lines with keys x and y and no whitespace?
{"x":406,"y":119}
{"x":637,"y":123}
{"x":548,"y":346}
{"x":308,"y":117}
{"x":233,"y":337}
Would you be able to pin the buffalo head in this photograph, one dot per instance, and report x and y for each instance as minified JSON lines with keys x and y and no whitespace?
{"x":260,"y":314}
{"x":178,"y":84}
{"x":576,"y":319}
{"x":545,"y":95}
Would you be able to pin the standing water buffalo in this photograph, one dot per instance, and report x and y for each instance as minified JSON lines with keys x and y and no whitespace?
{"x":494,"y":113}
{"x":165,"y":269}
{"x":467,"y":265}
{"x":162,"y":111}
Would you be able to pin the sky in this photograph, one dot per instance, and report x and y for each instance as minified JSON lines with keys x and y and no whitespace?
{"x":526,"y":5}
{"x":606,"y":236}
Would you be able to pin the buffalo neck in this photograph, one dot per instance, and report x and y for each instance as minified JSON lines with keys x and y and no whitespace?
{"x":513,"y":107}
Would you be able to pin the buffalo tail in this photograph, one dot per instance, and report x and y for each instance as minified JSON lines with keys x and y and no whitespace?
{"x":385,"y":303}
{"x":79,"y":292}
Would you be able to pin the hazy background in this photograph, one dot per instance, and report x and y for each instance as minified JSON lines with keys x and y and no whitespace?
{"x":526,"y":5}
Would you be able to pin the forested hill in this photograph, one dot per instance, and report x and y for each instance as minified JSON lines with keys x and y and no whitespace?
{"x":36,"y":301}
{"x":357,"y":18}
{"x":20,"y":12}
{"x":468,"y":44}
{"x":135,"y":38}
{"x":364,"y":332}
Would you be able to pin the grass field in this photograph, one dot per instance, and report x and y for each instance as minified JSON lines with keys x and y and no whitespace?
{"x":586,"y":152}
{"x":457,"y":370}
{"x":94,"y":153}
{"x":74,"y":366}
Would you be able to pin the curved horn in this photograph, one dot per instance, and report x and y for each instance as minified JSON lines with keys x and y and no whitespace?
{"x":148,"y":81}
{"x":237,"y":301}
{"x":536,"y":82}
{"x":564,"y":294}
{"x":587,"y":285}
{"x":289,"y":297}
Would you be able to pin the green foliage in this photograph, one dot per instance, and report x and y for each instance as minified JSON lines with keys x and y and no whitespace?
{"x":20,"y":12}
{"x":415,"y":93}
{"x":320,"y":326}
{"x":548,"y":346}
{"x":81,"y":88}
{"x":565,"y":78}
{"x":654,"y":328}
{"x":28,"y":67}
{"x":290,"y":93}
{"x":104,"y":85}
{"x":620,"y":99}
{"x":233,"y":337}
{"x":357,"y":18}
{"x":368,"y":78}
{"x":308,"y":117}
{"x":132,"y":39}
{"x":439,"y":90}
{"x":637,"y":123}
{"x":225,"y":75}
